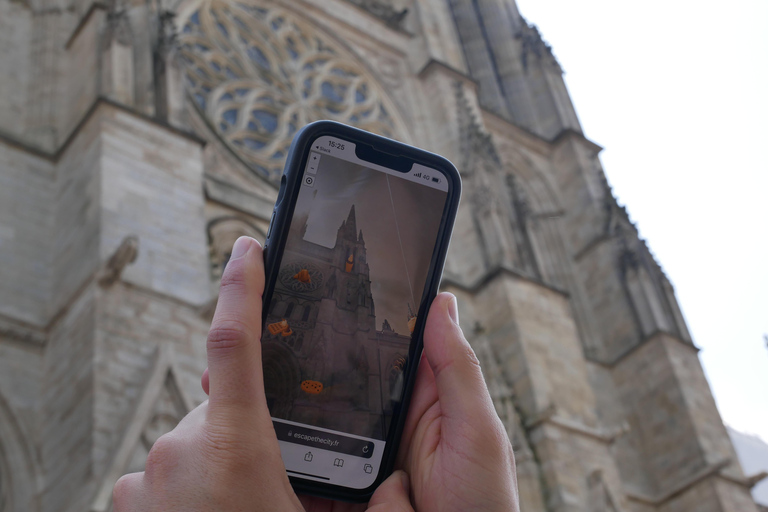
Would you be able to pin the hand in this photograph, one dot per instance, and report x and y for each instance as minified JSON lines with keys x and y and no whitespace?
{"x":224,"y":455}
{"x":454,"y":446}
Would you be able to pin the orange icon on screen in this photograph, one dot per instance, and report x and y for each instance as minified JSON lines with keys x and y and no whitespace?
{"x":350,"y":262}
{"x":411,"y":319}
{"x":280,"y":327}
{"x":312,"y":387}
{"x":303,"y":276}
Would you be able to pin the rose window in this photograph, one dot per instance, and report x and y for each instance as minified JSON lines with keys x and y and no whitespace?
{"x":258,"y":74}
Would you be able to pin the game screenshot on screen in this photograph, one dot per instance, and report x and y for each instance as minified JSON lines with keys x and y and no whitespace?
{"x":339,"y":325}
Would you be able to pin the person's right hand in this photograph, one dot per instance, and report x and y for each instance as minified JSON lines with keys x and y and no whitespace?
{"x":454,"y":446}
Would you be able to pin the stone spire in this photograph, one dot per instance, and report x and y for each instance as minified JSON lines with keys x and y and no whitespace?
{"x":348,"y":228}
{"x":351,"y":222}
{"x":518,"y":76}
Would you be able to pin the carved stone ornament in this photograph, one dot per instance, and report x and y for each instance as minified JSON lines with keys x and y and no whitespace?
{"x":258,"y":73}
{"x":483,"y":199}
{"x":384,"y":10}
{"x":476,"y":144}
{"x":124,"y":255}
{"x":533,"y":45}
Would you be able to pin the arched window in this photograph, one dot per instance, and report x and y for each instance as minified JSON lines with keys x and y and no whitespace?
{"x":297,"y":344}
{"x":289,"y":310}
{"x":307,"y":311}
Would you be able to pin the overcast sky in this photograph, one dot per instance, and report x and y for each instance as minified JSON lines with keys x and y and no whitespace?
{"x":677,"y":94}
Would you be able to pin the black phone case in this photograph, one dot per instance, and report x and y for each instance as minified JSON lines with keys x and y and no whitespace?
{"x":275,"y":243}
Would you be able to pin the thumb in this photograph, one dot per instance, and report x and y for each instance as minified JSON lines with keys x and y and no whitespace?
{"x":461,"y":388}
{"x":234,"y":351}
{"x":392,"y":494}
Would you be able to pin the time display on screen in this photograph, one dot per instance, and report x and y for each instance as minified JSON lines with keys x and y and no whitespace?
{"x":336,"y":145}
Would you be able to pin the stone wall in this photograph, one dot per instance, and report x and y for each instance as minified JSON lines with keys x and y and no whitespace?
{"x":115,"y":226}
{"x":133,"y":323}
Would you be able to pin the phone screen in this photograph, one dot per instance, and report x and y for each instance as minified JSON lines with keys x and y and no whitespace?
{"x":338,"y":329}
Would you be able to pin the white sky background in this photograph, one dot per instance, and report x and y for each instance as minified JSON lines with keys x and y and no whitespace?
{"x":677,"y":94}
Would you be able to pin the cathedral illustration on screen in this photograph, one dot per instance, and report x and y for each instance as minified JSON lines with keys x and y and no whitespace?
{"x":139,"y":139}
{"x":325,"y":363}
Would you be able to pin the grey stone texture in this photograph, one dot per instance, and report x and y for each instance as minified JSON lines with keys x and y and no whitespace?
{"x":136,"y":144}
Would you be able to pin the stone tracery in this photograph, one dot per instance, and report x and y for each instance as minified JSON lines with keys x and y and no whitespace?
{"x":259,"y":74}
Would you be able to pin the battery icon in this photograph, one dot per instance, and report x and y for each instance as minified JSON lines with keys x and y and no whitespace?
{"x":436,"y":180}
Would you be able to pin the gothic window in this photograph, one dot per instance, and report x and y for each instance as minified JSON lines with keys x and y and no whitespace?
{"x":307,"y":312}
{"x":259,"y":74}
{"x":349,"y":263}
{"x":522,"y":226}
{"x":289,"y":310}
{"x":298,"y":342}
{"x":643,"y":295}
{"x":361,"y":379}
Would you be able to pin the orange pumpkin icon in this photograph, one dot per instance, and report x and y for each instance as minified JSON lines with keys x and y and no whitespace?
{"x":312,"y":387}
{"x":303,"y":276}
{"x":279,"y":327}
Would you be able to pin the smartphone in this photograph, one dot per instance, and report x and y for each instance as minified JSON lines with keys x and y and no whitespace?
{"x":354,"y":255}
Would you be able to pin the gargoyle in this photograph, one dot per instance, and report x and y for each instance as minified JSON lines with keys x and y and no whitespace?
{"x":125,"y":254}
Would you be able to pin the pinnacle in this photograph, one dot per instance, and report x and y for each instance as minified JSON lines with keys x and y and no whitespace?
{"x":348,"y":228}
{"x":351,"y":218}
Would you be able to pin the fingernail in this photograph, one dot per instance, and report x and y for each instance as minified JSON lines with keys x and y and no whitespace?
{"x":241,"y":247}
{"x":406,"y":482}
{"x":453,"y":310}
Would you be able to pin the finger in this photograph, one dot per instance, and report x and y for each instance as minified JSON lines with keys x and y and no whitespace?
{"x":234,"y":350}
{"x":192,"y":422}
{"x":315,"y":504}
{"x":127,"y":495}
{"x":392,"y":495}
{"x":424,"y":396}
{"x":461,"y":388}
{"x":205,"y":382}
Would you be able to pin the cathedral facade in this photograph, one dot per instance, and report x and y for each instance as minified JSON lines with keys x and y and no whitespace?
{"x":139,"y":139}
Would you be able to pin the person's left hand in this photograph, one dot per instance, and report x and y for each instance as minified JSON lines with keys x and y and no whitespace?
{"x":224,"y":455}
